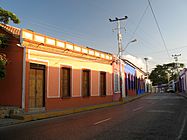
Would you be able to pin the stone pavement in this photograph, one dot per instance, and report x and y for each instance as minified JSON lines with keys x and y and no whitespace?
{"x":21,"y":118}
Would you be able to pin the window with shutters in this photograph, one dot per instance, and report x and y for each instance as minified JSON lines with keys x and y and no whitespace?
{"x":103,"y":83}
{"x":85,"y":83}
{"x":65,"y":80}
{"x":116,"y":82}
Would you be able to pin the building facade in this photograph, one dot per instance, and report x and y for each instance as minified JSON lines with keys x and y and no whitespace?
{"x":183,"y":81}
{"x":44,"y":73}
{"x":134,"y":79}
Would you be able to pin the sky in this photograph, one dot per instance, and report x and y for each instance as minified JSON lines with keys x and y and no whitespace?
{"x":86,"y":22}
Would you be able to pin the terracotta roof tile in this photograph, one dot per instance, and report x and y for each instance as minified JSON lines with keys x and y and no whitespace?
{"x":13,"y":30}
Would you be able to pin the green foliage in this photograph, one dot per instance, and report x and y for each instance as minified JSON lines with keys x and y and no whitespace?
{"x":159,"y":75}
{"x":6,"y":16}
{"x":3,"y":41}
{"x":3,"y":62}
{"x":162,"y":73}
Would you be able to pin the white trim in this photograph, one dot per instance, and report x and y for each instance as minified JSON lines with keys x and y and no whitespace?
{"x":45,"y":61}
{"x":80,"y":82}
{"x":99,"y":73}
{"x":59,"y":69}
{"x":106,"y":82}
{"x":87,"y":68}
{"x":71,"y":67}
{"x":23,"y":78}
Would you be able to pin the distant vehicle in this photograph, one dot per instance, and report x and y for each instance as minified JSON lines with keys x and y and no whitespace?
{"x":170,"y":89}
{"x":171,"y":86}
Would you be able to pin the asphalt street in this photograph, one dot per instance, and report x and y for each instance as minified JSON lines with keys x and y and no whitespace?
{"x":155,"y":117}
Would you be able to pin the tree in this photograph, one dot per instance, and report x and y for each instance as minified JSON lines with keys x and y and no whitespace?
{"x":5,"y":18}
{"x":162,"y":73}
{"x":159,"y":75}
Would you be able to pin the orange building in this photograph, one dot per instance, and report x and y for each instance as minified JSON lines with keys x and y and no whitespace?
{"x":44,"y":73}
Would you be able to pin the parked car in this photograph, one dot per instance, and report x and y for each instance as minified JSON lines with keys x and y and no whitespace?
{"x":170,"y":89}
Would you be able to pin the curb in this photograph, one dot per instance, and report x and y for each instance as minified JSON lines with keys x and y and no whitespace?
{"x":22,"y":118}
{"x":183,"y":95}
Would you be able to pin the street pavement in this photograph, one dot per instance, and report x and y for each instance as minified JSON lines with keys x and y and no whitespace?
{"x":155,"y":117}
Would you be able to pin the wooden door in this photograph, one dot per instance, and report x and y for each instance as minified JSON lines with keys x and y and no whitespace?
{"x":86,"y":83}
{"x":103,"y":83}
{"x":65,"y":82}
{"x":36,"y":86}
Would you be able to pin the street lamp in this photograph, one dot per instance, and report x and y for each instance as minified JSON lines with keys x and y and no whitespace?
{"x":132,"y":41}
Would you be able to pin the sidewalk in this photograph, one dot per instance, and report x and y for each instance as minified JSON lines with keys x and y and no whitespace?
{"x":183,"y":94}
{"x":21,"y":118}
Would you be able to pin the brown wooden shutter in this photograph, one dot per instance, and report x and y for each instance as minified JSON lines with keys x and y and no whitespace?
{"x":86,"y":83}
{"x":65,"y":82}
{"x":103,"y":83}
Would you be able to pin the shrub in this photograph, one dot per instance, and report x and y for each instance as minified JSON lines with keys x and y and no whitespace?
{"x":3,"y":62}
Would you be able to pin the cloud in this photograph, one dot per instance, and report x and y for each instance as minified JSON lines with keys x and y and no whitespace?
{"x":139,"y":62}
{"x":149,"y":58}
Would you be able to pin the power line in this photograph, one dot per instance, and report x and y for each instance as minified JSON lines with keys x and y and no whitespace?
{"x":159,"y":29}
{"x":134,"y":31}
{"x":170,"y":50}
{"x":138,"y":25}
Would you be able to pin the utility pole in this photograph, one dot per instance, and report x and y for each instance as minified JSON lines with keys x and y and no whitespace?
{"x":147,"y":73}
{"x":176,"y":61}
{"x":119,"y":37}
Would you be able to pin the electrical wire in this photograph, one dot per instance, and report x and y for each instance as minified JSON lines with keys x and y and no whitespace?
{"x":172,"y":49}
{"x":138,"y":25}
{"x":156,"y":21}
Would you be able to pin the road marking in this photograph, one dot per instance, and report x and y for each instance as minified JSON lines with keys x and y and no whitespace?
{"x":138,"y":108}
{"x":168,"y":104}
{"x":153,"y":103}
{"x":160,"y":111}
{"x":102,"y":121}
{"x":163,"y":97}
{"x":182,"y":129}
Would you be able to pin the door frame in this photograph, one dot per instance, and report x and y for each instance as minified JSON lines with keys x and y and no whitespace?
{"x":105,"y":83}
{"x":89,"y":81}
{"x":38,"y":66}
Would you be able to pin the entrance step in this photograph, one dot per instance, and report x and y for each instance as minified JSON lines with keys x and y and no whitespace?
{"x":8,"y":111}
